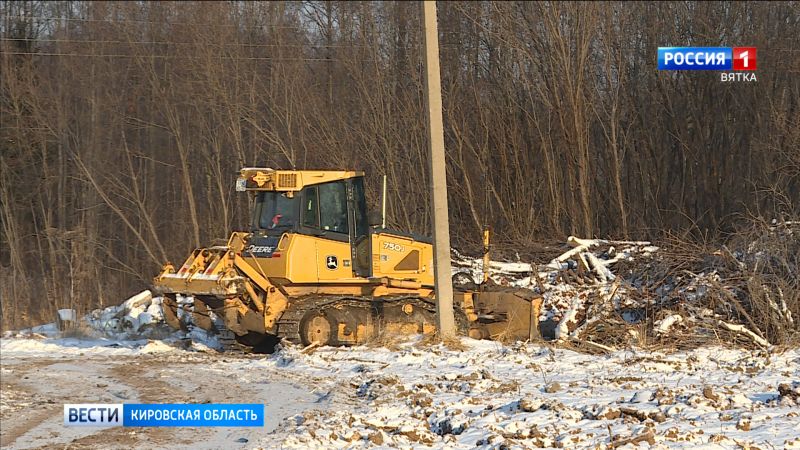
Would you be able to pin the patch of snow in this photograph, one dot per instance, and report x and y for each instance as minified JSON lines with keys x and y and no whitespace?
{"x":19,"y":347}
{"x":562,"y":330}
{"x":156,"y":347}
{"x":203,"y":340}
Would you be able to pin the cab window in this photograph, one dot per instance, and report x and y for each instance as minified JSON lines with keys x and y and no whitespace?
{"x":278,"y":211}
{"x":333,"y":207}
{"x":310,"y":207}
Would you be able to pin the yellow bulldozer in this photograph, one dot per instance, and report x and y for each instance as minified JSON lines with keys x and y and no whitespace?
{"x":314,"y":269}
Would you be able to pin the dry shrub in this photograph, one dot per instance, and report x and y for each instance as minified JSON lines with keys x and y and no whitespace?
{"x":433,"y":339}
{"x":750,"y":279}
{"x":387,"y":339}
{"x":454,"y":343}
{"x":770,"y":261}
{"x":428,"y":340}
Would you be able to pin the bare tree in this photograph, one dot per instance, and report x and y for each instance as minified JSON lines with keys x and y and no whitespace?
{"x":123,"y":125}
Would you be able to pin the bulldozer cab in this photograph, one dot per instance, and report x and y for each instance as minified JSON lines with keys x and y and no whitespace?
{"x":329,"y":205}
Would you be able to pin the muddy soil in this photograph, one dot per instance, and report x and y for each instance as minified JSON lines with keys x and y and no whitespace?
{"x":34,"y":390}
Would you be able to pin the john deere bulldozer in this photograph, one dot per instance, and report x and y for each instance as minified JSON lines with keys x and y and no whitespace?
{"x":313,"y":269}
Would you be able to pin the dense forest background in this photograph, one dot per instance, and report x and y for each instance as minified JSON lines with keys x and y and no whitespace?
{"x":124,"y":125}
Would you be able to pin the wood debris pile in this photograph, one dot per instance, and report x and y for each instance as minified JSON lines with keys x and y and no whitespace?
{"x":602,"y":295}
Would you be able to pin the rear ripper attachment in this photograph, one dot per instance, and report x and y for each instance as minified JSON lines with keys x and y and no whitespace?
{"x":219,"y":296}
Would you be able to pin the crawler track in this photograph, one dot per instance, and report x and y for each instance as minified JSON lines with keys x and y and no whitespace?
{"x":374,"y":312}
{"x":361,"y":317}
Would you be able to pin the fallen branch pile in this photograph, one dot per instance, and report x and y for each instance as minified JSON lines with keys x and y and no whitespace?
{"x":602,"y":295}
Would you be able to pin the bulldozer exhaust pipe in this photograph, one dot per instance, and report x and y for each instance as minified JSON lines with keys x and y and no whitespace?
{"x":383,"y":204}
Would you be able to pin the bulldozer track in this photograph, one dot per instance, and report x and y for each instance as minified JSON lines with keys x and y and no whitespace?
{"x":288,"y":326}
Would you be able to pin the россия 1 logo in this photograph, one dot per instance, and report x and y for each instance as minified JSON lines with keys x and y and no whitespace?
{"x":738,"y":63}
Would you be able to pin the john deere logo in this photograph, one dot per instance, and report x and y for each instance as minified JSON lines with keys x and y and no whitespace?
{"x":331,"y":262}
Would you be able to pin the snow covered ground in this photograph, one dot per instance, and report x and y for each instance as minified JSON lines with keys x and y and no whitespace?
{"x":39,"y":375}
{"x":482,"y":395}
{"x":485,"y":395}
{"x":496,"y":396}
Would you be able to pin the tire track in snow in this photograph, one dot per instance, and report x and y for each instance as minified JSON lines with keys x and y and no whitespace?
{"x":19,"y":400}
{"x":143,"y":375}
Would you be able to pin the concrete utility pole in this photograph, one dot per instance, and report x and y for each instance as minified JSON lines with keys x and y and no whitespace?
{"x":445,"y":320}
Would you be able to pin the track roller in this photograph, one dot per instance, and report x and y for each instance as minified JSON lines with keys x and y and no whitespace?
{"x":318,"y":327}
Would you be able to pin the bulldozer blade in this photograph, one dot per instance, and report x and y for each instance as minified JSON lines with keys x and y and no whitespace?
{"x":509,"y":313}
{"x":170,"y":308}
{"x":201,"y":316}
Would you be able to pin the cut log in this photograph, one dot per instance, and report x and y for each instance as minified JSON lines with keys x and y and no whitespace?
{"x":741,"y":329}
